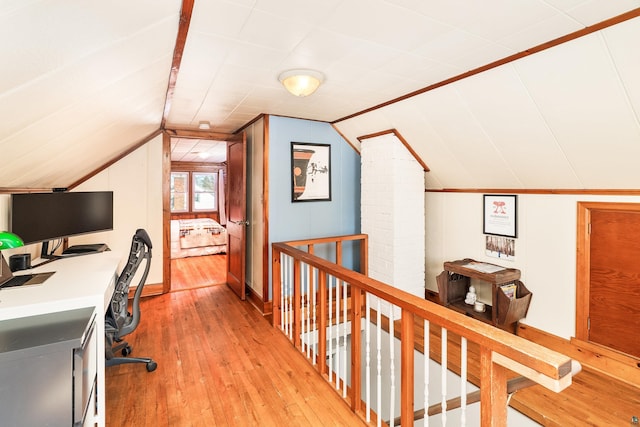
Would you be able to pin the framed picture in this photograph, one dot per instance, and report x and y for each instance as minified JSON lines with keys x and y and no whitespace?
{"x":500,"y":215}
{"x":310,"y":172}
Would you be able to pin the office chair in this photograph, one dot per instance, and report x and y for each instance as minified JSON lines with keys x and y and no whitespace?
{"x":118,"y":321}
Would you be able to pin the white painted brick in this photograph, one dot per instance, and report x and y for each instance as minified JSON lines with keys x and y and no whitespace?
{"x":392,"y":199}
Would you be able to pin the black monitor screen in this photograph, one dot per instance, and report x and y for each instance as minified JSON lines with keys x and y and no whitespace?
{"x":39,"y":217}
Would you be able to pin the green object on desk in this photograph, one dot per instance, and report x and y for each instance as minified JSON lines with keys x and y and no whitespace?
{"x":9,"y":240}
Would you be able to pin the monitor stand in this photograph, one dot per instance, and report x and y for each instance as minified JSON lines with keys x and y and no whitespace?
{"x":85,"y":249}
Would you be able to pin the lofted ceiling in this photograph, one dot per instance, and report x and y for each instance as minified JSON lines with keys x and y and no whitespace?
{"x":198,"y":150}
{"x":85,"y":81}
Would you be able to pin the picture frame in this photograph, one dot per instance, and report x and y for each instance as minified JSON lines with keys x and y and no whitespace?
{"x":310,"y":172}
{"x":499,"y":215}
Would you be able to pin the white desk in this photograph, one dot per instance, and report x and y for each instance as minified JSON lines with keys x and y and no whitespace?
{"x":78,"y":282}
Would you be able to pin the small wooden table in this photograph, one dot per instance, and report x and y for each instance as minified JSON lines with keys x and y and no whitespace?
{"x":504,"y":312}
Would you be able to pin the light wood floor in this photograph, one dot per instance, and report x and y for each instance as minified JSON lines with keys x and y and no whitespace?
{"x":220,"y":363}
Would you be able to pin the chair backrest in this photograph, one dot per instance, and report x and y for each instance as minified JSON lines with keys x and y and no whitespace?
{"x":117,"y":314}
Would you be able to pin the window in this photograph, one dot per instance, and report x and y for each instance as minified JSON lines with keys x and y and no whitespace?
{"x":205,"y":197}
{"x":179,"y":191}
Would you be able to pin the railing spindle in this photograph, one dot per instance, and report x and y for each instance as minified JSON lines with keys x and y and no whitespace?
{"x":426,"y":352}
{"x":344,"y":339}
{"x":314,"y":293}
{"x":307,"y":294}
{"x":282,"y":290}
{"x":338,"y":365}
{"x":305,"y":314}
{"x":331,"y":285}
{"x":443,"y":370}
{"x":463,"y":382}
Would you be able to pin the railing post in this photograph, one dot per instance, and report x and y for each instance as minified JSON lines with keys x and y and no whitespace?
{"x":493,"y":391}
{"x":276,"y":279}
{"x":356,"y":349}
{"x":364,"y":256}
{"x":406,"y":368}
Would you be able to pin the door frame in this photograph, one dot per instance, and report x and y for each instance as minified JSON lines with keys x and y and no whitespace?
{"x":166,"y":190}
{"x":583,"y":258}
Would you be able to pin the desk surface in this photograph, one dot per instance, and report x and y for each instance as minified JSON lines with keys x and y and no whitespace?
{"x":82,"y":281}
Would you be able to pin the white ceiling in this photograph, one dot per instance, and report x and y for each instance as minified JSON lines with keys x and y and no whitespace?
{"x":85,"y":81}
{"x":370,"y":51}
{"x":198,"y":150}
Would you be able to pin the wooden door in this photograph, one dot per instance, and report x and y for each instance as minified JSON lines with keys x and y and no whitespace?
{"x":236,"y":222}
{"x":612,"y":298}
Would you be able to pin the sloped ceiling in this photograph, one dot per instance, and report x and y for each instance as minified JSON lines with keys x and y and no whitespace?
{"x":81,"y":82}
{"x":566,"y":118}
{"x":84,"y":82}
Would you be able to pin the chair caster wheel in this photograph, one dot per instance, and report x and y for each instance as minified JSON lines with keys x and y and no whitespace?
{"x":127,"y":351}
{"x":151,"y":366}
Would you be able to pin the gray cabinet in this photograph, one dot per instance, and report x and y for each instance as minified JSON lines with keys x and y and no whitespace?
{"x":48,"y":369}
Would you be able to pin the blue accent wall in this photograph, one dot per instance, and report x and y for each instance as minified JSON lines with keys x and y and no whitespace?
{"x":302,"y":220}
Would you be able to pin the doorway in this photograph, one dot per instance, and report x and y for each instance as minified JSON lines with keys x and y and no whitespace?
{"x":196,"y":253}
{"x":608,"y":275}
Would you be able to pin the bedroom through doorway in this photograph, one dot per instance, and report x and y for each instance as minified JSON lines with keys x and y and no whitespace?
{"x":198,"y":213}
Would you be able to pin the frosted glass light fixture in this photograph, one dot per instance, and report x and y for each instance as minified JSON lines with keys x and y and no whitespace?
{"x":301,"y":82}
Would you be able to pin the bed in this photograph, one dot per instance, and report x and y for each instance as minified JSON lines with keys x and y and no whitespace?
{"x":196,"y":237}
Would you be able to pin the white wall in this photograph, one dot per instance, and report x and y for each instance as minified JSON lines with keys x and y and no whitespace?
{"x":136,"y":182}
{"x":545,"y":248}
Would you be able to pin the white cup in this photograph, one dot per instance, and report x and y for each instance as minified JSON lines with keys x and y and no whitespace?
{"x":478,"y":306}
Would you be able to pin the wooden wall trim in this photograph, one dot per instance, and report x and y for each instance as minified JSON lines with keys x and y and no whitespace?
{"x":558,"y":191}
{"x":166,"y":213}
{"x":181,"y":40}
{"x":264,"y":307}
{"x":583,"y":267}
{"x":402,"y":140}
{"x":16,"y":190}
{"x":197,"y":134}
{"x":345,"y":138}
{"x":196,"y":166}
{"x":250,"y":122}
{"x":266,"y":261}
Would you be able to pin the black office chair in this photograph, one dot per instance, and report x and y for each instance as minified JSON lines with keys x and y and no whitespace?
{"x":118,"y":321}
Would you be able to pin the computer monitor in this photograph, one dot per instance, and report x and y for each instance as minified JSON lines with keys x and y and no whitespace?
{"x":42,"y":217}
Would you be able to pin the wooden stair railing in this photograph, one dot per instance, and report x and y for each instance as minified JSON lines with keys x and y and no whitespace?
{"x":499,"y":352}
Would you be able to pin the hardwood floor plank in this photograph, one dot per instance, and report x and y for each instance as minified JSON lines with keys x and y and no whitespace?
{"x":198,"y":272}
{"x":220,"y":363}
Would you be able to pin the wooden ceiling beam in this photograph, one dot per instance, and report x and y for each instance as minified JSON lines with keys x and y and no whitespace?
{"x":181,"y":40}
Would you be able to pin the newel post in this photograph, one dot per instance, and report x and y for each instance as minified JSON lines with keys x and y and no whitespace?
{"x":493,"y":391}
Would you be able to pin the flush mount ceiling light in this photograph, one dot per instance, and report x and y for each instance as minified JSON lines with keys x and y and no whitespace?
{"x":204,"y":125}
{"x":301,"y":82}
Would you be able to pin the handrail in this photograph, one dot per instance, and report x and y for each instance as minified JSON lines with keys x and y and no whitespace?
{"x":499,"y":349}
